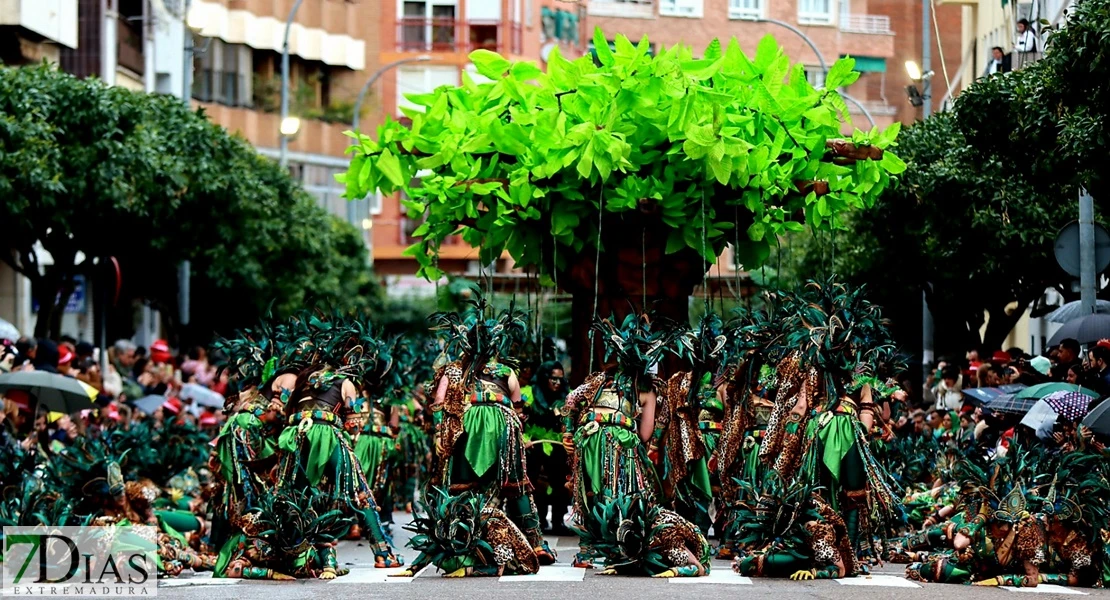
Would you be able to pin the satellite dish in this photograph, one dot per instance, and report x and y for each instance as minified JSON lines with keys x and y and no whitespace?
{"x":1066,"y":248}
{"x":545,"y":51}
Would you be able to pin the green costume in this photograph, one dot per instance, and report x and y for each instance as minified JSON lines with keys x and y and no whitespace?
{"x":479,"y":437}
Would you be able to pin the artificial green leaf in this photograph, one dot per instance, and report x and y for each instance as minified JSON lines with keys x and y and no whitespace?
{"x":489,"y":64}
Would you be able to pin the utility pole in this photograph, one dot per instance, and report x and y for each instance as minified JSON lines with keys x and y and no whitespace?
{"x":1087,"y":275}
{"x":184,"y":272}
{"x":926,"y":110}
{"x":284,"y":141}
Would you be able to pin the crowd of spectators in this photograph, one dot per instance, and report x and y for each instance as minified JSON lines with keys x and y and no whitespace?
{"x":128,"y":374}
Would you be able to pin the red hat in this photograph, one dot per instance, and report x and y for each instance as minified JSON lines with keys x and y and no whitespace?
{"x":1001,"y":357}
{"x":65,"y":355}
{"x":1104,"y":344}
{"x":172,"y":405}
{"x":113,"y":411}
{"x":160,"y":352}
{"x":20,"y":398}
{"x":208,"y":419}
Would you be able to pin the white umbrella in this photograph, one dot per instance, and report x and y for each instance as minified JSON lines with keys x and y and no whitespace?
{"x":1041,"y":418}
{"x":201,"y":395}
{"x":1071,"y":310}
{"x":8,"y":331}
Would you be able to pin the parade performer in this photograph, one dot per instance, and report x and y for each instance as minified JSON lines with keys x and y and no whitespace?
{"x":246,"y":447}
{"x":749,"y":398}
{"x":636,"y":536}
{"x":786,"y":529}
{"x":466,"y":536}
{"x":610,"y":417}
{"x":824,"y":412}
{"x":690,"y":420}
{"x":478,"y":435}
{"x":317,"y":389}
{"x":376,"y":446}
{"x":547,"y":459}
{"x":284,"y":537}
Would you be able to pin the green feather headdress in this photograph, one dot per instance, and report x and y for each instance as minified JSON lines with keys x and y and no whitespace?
{"x":477,"y":336}
{"x":637,"y":345}
{"x":293,"y":521}
{"x":621,"y":532}
{"x":450,"y":527}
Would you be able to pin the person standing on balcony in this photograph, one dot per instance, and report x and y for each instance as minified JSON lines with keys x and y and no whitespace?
{"x":999,"y":63}
{"x":1025,"y":46}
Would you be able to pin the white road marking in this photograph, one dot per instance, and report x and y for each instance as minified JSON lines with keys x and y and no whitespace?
{"x":549,"y":573}
{"x":1046,"y":588}
{"x":721,"y":576}
{"x":878,"y":581}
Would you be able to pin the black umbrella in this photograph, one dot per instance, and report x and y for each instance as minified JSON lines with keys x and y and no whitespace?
{"x":980,"y":396}
{"x":1086,"y":330}
{"x":1007,"y":403}
{"x":1098,"y":420}
{"x":56,"y":393}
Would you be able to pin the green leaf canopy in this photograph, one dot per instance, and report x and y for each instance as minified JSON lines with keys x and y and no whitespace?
{"x":724,"y":148}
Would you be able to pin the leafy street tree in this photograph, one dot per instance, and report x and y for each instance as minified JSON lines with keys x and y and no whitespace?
{"x":91,"y":171}
{"x":621,"y":180}
{"x":988,"y":186}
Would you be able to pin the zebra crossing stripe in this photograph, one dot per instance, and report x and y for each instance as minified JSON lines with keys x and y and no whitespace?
{"x":723,"y":575}
{"x":878,"y":581}
{"x":565,"y":573}
{"x":1046,"y":588}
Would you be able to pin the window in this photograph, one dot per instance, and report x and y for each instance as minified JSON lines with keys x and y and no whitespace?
{"x":815,"y":76}
{"x":427,"y":26}
{"x":681,"y":8}
{"x":417,"y":80}
{"x":745,"y":9}
{"x":815,"y":12}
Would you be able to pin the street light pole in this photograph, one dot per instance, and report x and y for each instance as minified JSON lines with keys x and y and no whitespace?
{"x":927,"y":347}
{"x":284,"y":142}
{"x":184,"y":272}
{"x":374,"y":79}
{"x":820,"y":60}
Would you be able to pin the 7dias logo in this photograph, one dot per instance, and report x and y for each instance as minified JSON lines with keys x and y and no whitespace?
{"x":80,"y":561}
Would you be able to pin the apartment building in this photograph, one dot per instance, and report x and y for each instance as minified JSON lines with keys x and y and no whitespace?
{"x":445,"y":32}
{"x":333,"y":49}
{"x":988,"y":23}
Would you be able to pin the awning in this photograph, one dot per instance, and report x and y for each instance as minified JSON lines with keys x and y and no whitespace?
{"x":870,"y":64}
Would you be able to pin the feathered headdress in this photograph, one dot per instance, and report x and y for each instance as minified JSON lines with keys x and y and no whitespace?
{"x":450,"y":527}
{"x":620,"y":531}
{"x":478,"y":337}
{"x":705,"y":346}
{"x":292,"y":521}
{"x":637,"y":345}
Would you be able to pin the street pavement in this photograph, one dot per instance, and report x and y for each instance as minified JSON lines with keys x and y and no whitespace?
{"x":563,"y":581}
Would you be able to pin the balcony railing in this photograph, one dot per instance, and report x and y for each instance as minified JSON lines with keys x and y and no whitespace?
{"x":228,"y":89}
{"x":417,"y":34}
{"x":130,"y":45}
{"x":622,"y":8}
{"x":874,"y":24}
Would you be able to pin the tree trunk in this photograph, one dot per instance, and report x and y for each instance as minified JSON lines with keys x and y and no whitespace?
{"x":634,"y":271}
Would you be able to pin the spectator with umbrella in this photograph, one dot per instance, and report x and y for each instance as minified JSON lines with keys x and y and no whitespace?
{"x":1067,"y":357}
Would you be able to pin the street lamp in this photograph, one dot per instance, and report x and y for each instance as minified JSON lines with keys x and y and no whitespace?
{"x":913,"y":70}
{"x":290,"y":126}
{"x":820,"y":58}
{"x":284,"y":144}
{"x":374,"y":78}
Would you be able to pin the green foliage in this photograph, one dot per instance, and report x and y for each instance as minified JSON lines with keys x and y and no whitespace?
{"x":529,"y":162}
{"x":988,"y":187}
{"x":103,"y":171}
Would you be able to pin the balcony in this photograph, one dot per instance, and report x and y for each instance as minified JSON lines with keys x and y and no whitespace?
{"x":131,"y":45}
{"x":635,"y":9}
{"x":228,"y":89}
{"x":54,"y":20}
{"x":417,"y":34}
{"x":870,"y":24}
